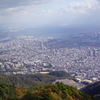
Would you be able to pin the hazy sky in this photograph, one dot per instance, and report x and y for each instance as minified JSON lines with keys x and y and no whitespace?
{"x":50,"y":12}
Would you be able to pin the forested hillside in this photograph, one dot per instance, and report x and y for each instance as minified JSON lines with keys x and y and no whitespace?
{"x":33,"y":79}
{"x":39,"y":87}
{"x":58,"y":91}
{"x":93,"y":89}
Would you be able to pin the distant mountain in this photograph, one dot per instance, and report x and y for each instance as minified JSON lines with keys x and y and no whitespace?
{"x":75,"y":40}
{"x":93,"y":89}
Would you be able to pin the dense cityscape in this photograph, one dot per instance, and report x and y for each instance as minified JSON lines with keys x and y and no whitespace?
{"x":29,"y":55}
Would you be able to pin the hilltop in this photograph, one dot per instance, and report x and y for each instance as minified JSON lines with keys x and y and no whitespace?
{"x":33,"y":79}
{"x":57,"y":91}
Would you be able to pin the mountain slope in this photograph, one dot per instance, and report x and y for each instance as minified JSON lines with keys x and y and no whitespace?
{"x":32,"y":79}
{"x":57,"y":91}
{"x":93,"y":89}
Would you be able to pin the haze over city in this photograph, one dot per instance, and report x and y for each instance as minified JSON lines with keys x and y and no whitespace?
{"x":50,"y":17}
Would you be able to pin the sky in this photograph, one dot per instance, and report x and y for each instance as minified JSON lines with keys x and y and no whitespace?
{"x":61,"y":13}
